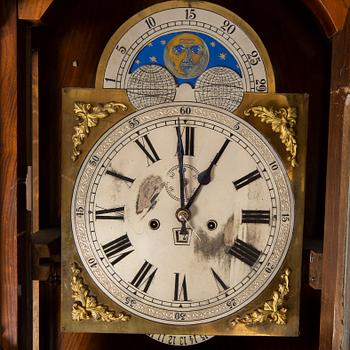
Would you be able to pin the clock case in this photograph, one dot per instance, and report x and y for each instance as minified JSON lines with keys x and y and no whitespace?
{"x":136,"y":324}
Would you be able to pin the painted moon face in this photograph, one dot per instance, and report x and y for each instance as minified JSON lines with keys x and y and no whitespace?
{"x":186,"y":55}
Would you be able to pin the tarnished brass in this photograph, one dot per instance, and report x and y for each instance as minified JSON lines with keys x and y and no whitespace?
{"x":88,"y":116}
{"x":273,"y":310}
{"x":223,"y":326}
{"x":282,"y":122}
{"x":85,"y":306}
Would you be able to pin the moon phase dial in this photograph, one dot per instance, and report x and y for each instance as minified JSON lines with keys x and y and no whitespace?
{"x":205,"y":47}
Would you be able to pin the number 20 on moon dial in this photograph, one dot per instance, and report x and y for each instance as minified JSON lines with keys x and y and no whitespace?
{"x":182,"y":214}
{"x":172,"y":52}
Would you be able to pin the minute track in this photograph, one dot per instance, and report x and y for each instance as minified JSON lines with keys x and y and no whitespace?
{"x":157,"y":290}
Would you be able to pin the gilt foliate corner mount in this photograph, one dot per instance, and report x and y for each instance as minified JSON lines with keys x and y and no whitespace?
{"x":88,"y":116}
{"x":85,"y":306}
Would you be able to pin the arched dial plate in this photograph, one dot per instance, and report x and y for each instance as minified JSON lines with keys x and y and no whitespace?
{"x":123,"y":214}
{"x":176,"y":52}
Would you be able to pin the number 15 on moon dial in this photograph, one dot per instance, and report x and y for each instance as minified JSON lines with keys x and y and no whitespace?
{"x":182,"y":214}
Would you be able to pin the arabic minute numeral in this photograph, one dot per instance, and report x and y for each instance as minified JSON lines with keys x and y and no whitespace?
{"x":92,"y":262}
{"x":129,"y":301}
{"x":285,"y":218}
{"x":260,"y":85}
{"x":134,"y":122}
{"x":180,"y":316}
{"x":151,"y":22}
{"x":228,"y":27}
{"x":190,"y":14}
{"x":231,"y":303}
{"x":273,"y":165}
{"x":121,"y":49}
{"x":254,"y":58}
{"x":79,"y":211}
{"x":269,"y":268}
{"x":185,"y":110}
{"x":94,"y":160}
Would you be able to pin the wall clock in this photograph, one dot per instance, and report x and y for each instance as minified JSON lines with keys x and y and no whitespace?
{"x":179,"y":51}
{"x":181,"y":215}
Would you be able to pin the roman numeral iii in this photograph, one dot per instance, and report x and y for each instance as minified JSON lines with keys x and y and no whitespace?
{"x":255,"y":216}
{"x":118,"y":214}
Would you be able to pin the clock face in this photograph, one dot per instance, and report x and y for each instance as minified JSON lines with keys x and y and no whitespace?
{"x":236,"y":219}
{"x":169,"y":52}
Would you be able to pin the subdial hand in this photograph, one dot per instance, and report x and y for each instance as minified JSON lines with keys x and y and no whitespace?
{"x":193,"y":230}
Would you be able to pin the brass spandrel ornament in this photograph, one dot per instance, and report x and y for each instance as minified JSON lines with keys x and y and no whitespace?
{"x":283,"y":122}
{"x":86,"y":306}
{"x":273,"y":310}
{"x":88,"y":115}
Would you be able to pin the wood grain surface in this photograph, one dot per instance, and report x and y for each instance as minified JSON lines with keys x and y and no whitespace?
{"x":330,"y":13}
{"x":32,"y":10}
{"x":8,"y":174}
{"x":337,"y":200}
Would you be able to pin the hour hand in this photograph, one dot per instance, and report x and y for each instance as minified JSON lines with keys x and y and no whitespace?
{"x":204,"y":177}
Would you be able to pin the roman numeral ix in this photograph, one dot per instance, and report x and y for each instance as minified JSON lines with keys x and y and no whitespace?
{"x":119,"y":214}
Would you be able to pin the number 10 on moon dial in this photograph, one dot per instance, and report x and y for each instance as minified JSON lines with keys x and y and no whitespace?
{"x":182,"y":214}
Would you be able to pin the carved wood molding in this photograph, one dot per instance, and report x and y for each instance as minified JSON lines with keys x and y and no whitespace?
{"x":33,"y":10}
{"x":331,"y":13}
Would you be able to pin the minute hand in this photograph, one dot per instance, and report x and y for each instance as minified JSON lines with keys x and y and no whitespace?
{"x":180,"y":157}
{"x":204,"y":177}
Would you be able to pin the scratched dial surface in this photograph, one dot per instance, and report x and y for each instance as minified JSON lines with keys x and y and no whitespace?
{"x":126,"y":231}
{"x":169,"y":52}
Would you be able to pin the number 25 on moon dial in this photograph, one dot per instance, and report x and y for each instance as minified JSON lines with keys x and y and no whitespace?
{"x":182,"y":214}
{"x":172,"y":52}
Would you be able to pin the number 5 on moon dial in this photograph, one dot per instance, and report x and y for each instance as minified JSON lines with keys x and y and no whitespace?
{"x":170,"y":51}
{"x":189,"y":249}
